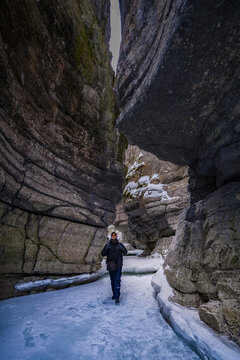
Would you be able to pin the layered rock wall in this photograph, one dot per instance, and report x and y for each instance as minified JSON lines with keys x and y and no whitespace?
{"x":61,"y":171}
{"x":154,"y":195}
{"x":203,"y":262}
{"x":178,"y":86}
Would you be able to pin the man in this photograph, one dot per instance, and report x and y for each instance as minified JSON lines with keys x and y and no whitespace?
{"x":114,"y":251}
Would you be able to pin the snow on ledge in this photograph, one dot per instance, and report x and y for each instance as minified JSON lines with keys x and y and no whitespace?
{"x":131,"y":265}
{"x":59,"y":283}
{"x":186,"y":323}
{"x":143,"y":187}
{"x":136,"y":252}
{"x":133,"y":169}
{"x":139,"y":270}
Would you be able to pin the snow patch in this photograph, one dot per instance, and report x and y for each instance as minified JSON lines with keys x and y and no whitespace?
{"x":133,"y":169}
{"x":154,"y":177}
{"x":186,"y":323}
{"x":136,"y":252}
{"x":144,"y":180}
{"x":59,"y":283}
{"x":131,"y":190}
{"x":155,"y":190}
{"x":156,"y":255}
{"x":144,"y":187}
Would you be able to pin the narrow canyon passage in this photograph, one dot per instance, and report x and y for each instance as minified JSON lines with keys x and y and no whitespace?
{"x":149,"y":145}
{"x":84,"y":323}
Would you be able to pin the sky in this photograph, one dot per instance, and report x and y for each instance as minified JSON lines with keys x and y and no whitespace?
{"x":115,"y":32}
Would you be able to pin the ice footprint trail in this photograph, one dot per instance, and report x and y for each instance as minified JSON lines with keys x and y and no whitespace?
{"x":83,"y":323}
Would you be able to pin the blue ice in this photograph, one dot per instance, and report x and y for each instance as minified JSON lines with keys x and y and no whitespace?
{"x":83,"y":323}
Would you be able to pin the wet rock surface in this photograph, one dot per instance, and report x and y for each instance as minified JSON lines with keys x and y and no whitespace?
{"x":61,"y":168}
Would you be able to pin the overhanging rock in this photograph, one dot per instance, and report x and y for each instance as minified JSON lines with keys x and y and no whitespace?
{"x":178,"y":84}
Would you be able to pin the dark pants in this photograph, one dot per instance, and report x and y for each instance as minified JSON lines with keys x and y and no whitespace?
{"x":116,"y":281}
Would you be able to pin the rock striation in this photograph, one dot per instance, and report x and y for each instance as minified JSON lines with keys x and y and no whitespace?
{"x":154,"y":195}
{"x":61,"y":170}
{"x":195,"y":113}
{"x":202,"y":264}
{"x":178,"y":86}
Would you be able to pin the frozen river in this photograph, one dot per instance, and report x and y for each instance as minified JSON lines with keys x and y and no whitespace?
{"x":83,"y":323}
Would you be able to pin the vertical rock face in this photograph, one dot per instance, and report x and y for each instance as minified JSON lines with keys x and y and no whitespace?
{"x":154,"y":195}
{"x":102,"y":12}
{"x":178,"y":86}
{"x":60,"y":169}
{"x":203,"y":261}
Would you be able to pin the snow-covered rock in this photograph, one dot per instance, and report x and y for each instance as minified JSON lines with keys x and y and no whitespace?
{"x":186,"y":322}
{"x":153,"y":197}
{"x":133,"y":169}
{"x":144,"y":187}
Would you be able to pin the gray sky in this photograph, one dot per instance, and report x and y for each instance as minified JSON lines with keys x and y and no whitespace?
{"x":115,"y":32}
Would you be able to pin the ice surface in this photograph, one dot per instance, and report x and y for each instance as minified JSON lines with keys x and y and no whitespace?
{"x":131,"y":265}
{"x":140,"y":265}
{"x":186,"y":322}
{"x":83,"y":323}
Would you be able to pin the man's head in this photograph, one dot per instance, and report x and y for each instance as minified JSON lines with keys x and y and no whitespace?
{"x":113,"y":236}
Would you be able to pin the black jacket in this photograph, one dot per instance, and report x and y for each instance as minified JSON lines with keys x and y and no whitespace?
{"x":114,"y":251}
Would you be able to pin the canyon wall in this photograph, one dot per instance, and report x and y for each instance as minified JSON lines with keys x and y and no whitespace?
{"x":61,"y":170}
{"x":154,"y":195}
{"x":178,"y":86}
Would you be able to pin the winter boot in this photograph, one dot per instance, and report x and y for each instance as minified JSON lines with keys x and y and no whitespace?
{"x":117,"y":300}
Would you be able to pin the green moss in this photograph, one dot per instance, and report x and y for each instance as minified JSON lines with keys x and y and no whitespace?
{"x":122,"y":146}
{"x":91,"y":53}
{"x":93,"y":62}
{"x":83,"y":55}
